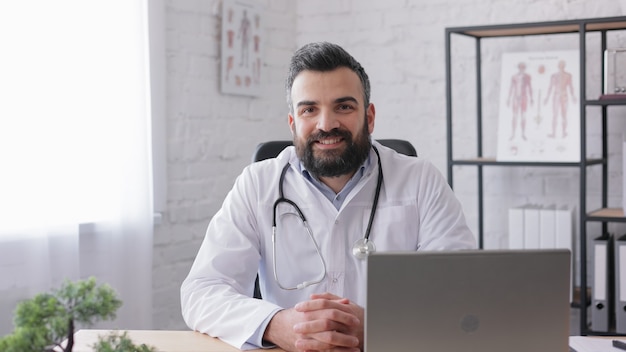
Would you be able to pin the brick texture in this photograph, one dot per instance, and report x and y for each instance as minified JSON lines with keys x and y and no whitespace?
{"x":210,"y":136}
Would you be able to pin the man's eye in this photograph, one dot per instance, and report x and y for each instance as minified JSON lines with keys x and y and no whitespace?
{"x":308,"y":110}
{"x":345,"y":107}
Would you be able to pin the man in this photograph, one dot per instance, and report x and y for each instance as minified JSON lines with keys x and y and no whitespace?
{"x":313,"y":286}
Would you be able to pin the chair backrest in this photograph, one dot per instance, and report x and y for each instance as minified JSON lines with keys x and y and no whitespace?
{"x":400,"y":145}
{"x":271,"y":149}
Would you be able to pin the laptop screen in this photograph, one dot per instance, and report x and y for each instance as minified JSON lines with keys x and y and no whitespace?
{"x":476,"y":300}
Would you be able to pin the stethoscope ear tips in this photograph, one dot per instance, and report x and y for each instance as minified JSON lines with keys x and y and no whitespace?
{"x":362,"y":248}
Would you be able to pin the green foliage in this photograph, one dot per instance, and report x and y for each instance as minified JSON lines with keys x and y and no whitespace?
{"x":120,"y":343}
{"x":44,"y":317}
{"x":24,"y":340}
{"x":49,"y":318}
{"x":87,"y":303}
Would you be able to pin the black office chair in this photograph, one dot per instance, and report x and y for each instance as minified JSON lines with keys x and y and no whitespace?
{"x":271,"y":149}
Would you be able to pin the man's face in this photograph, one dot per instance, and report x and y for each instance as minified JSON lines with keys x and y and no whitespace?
{"x":330,"y":125}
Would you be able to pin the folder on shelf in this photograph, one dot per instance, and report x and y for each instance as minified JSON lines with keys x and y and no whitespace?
{"x":516,"y":227}
{"x":564,"y":227}
{"x":601,"y":287}
{"x":620,"y":285}
{"x":624,"y":176}
{"x":564,"y":238}
{"x":531,"y":227}
{"x":547,"y":227}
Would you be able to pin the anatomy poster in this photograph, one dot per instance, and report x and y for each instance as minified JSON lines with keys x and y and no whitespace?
{"x":242,"y":43}
{"x":539,"y":112}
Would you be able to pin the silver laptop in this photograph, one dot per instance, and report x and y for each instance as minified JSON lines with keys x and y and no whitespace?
{"x":477,"y":300}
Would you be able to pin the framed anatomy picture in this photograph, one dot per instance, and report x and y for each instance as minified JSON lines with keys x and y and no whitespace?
{"x":539,"y":112}
{"x":241,"y":49}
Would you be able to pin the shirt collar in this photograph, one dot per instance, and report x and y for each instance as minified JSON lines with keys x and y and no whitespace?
{"x":336,"y":198}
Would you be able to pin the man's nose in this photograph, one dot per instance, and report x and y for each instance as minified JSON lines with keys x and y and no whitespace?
{"x":327,"y":121}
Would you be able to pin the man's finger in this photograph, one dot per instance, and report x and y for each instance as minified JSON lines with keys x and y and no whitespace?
{"x":315,"y":326}
{"x":325,"y":295}
{"x":326,"y":340}
{"x":322,"y":303}
{"x":336,"y":312}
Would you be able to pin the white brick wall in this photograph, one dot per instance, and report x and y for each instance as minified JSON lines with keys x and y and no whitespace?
{"x":210,"y":136}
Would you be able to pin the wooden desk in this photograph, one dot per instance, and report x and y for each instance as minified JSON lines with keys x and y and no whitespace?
{"x":162,"y":340}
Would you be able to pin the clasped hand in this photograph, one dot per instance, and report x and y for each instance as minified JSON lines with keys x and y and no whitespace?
{"x":326,"y":322}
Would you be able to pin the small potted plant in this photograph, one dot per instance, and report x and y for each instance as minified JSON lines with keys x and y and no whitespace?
{"x":47,"y":321}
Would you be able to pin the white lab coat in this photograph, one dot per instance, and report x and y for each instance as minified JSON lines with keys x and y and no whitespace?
{"x":416,"y":210}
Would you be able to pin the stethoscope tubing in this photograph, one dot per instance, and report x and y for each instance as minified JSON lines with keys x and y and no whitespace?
{"x":360,"y":253}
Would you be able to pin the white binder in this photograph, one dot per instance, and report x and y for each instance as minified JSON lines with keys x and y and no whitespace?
{"x":547,"y":227}
{"x":564,"y":229}
{"x":532,"y":230}
{"x":601,"y":289}
{"x":620,"y":285}
{"x":516,"y":227}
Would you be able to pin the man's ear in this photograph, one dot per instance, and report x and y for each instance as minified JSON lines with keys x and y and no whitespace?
{"x":292,"y":124}
{"x":371,"y":116}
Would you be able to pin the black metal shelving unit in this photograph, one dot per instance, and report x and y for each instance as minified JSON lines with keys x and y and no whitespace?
{"x":604,"y":215}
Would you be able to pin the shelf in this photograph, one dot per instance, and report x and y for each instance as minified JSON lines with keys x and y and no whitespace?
{"x":494,"y":162}
{"x":578,"y":27}
{"x":609,"y":99}
{"x":541,"y":28}
{"x":611,"y":333}
{"x":607,"y":215}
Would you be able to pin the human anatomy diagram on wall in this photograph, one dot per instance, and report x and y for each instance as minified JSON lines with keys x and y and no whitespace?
{"x":242,"y":42}
{"x":539,"y":114}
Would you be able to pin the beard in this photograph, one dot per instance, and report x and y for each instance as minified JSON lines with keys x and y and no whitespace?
{"x":333,"y":163}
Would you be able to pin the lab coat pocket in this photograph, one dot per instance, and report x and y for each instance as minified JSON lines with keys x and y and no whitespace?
{"x":395,"y":228}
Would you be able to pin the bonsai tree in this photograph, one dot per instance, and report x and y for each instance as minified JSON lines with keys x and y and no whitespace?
{"x":45,"y":321}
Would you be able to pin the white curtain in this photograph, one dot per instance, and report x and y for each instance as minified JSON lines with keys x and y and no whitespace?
{"x":75,"y":162}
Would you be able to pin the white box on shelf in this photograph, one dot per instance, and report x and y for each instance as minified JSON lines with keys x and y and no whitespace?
{"x":564,"y":229}
{"x":532,"y":229}
{"x":516,"y":227}
{"x":614,"y":72}
{"x":624,"y":176}
{"x":547,"y":227}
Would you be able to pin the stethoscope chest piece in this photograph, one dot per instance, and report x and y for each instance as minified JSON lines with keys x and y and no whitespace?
{"x":362,"y":248}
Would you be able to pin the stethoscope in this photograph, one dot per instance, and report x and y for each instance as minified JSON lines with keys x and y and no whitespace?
{"x":360,"y":249}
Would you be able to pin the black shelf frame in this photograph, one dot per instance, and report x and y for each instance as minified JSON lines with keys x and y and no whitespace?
{"x":582,"y":27}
